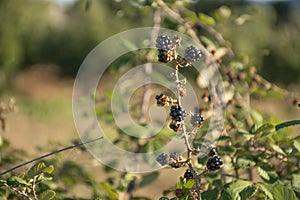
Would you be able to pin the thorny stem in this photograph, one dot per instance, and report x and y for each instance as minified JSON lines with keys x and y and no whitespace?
{"x":49,"y":154}
{"x":18,"y":192}
{"x":197,"y":178}
{"x":184,"y":134}
{"x":33,"y":188}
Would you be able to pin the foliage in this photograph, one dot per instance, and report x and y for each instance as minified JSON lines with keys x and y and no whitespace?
{"x":260,"y":155}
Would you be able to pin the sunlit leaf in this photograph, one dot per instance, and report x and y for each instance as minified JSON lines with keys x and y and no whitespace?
{"x":236,"y":187}
{"x":282,"y":192}
{"x":265,"y":128}
{"x":39,"y":168}
{"x":207,"y":19}
{"x":296,"y":180}
{"x":264,"y":187}
{"x":278,"y":149}
{"x":244,"y":163}
{"x":189,"y":184}
{"x":47,"y":195}
{"x":263,"y":173}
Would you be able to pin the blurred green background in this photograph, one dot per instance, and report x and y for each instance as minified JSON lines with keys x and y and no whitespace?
{"x":35,"y":32}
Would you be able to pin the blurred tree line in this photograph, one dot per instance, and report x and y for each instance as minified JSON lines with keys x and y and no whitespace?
{"x":33,"y":32}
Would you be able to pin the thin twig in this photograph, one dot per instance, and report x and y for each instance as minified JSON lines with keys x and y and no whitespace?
{"x":18,"y":192}
{"x":33,"y":188}
{"x":148,"y":67}
{"x":49,"y":154}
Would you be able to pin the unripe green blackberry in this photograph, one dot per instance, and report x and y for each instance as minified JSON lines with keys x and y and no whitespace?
{"x":214,"y":163}
{"x":192,"y":54}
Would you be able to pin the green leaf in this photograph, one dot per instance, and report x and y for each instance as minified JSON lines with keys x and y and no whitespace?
{"x":224,"y":138}
{"x":263,"y":173}
{"x":264,"y":187}
{"x":296,"y":144}
{"x":243,"y":132}
{"x":47,"y":195}
{"x":207,"y":19}
{"x":282,"y":192}
{"x":3,"y":192}
{"x":254,"y":128}
{"x":278,"y":149}
{"x":296,"y":180}
{"x":225,"y":196}
{"x":267,"y":175}
{"x":189,"y":184}
{"x":39,"y":168}
{"x":227,"y":150}
{"x":148,"y":179}
{"x":109,"y":190}
{"x":244,"y":163}
{"x":264,"y":128}
{"x":236,"y":187}
{"x":15,"y":180}
{"x":248,"y":192}
{"x":256,"y":116}
{"x":210,"y":194}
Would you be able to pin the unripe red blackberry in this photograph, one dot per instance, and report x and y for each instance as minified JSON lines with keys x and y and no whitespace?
{"x":178,"y":192}
{"x":214,"y":163}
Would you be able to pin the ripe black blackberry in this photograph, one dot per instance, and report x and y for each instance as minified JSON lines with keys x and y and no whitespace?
{"x":214,"y":163}
{"x":197,"y":120}
{"x":188,"y":174}
{"x":177,"y":113}
{"x":174,"y":125}
{"x":164,"y":56}
{"x":192,"y":54}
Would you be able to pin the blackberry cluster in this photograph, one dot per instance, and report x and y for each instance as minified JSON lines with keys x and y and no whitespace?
{"x":197,"y":120}
{"x":177,"y":113}
{"x":163,"y":42}
{"x":192,"y":54}
{"x":188,"y":174}
{"x":214,"y":163}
